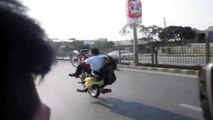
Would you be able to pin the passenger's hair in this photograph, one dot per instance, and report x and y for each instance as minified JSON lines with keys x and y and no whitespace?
{"x":95,"y":51}
{"x":25,"y":53}
{"x":112,"y":62}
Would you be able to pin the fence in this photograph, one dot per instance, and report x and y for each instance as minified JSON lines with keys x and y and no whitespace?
{"x":192,"y":54}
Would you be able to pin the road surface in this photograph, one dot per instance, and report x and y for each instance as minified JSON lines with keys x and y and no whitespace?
{"x":136,"y":95}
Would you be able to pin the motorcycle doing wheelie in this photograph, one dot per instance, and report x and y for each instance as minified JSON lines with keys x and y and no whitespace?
{"x":76,"y":57}
{"x":93,"y":83}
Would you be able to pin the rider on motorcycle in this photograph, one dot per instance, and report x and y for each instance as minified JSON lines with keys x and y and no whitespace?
{"x":98,"y":66}
{"x":107,"y":71}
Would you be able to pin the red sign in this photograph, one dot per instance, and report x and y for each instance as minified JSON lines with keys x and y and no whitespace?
{"x":134,"y":11}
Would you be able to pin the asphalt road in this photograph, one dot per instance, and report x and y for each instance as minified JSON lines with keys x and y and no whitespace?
{"x":136,"y":95}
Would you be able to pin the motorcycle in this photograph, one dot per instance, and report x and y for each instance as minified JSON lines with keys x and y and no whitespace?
{"x":76,"y":57}
{"x":94,"y":87}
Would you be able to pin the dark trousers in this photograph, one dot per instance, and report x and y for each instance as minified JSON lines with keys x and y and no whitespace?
{"x":82,"y":66}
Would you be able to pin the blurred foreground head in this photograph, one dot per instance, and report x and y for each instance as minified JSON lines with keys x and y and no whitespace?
{"x":25,"y":53}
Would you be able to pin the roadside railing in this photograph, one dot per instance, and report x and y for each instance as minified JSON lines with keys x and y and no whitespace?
{"x":173,"y":55}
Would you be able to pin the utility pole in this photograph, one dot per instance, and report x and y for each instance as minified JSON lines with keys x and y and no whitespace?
{"x":135,"y":44}
{"x":207,"y":48}
{"x":208,"y":38}
{"x":164,"y":22}
{"x":134,"y":16}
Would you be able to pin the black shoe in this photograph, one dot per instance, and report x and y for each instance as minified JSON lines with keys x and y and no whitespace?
{"x":73,"y":75}
{"x":81,"y":90}
{"x":81,"y":82}
{"x":106,"y":90}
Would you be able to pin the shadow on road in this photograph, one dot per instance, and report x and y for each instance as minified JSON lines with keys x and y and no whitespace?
{"x":138,"y":111}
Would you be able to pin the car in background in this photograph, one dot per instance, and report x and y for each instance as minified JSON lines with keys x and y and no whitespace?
{"x":125,"y":55}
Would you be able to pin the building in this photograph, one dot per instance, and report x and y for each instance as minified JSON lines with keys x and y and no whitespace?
{"x":201,"y":35}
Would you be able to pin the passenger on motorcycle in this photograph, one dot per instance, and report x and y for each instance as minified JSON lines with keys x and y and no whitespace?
{"x":107,"y":71}
{"x":99,"y":65}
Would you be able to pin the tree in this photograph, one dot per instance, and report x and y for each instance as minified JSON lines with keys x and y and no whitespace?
{"x":125,"y":30}
{"x":187,"y":34}
{"x":177,"y":33}
{"x":150,"y":34}
{"x":169,"y":34}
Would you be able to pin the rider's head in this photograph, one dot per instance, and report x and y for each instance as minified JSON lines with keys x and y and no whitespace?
{"x":94,"y":51}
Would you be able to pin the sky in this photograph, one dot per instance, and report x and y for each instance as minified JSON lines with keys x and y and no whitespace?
{"x":93,"y":19}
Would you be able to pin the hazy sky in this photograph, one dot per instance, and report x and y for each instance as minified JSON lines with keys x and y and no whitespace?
{"x":92,"y":19}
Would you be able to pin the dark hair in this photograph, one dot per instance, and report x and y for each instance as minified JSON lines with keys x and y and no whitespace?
{"x":95,"y":51}
{"x":25,"y":54}
{"x":112,"y":62}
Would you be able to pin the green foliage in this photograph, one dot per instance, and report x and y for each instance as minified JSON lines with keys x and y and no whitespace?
{"x":177,"y":33}
{"x":125,"y":30}
{"x":150,"y":33}
{"x":156,"y":33}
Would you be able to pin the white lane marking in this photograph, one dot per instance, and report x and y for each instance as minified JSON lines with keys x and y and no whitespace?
{"x":159,"y":72}
{"x":198,"y":109}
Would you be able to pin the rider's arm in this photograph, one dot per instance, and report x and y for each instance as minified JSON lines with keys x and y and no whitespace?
{"x":86,"y":61}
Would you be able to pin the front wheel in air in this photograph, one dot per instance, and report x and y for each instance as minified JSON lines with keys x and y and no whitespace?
{"x":75,"y":60}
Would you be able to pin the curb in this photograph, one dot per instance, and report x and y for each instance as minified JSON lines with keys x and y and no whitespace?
{"x":169,"y":70}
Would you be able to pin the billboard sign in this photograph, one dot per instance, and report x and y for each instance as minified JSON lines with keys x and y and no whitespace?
{"x":134,"y":11}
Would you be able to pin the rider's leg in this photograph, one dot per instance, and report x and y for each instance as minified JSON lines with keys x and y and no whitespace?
{"x":107,"y":82}
{"x":104,"y":90}
{"x":80,"y":67}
